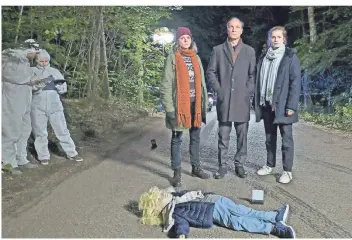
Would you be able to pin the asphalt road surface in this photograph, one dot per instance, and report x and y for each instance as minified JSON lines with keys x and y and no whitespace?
{"x":102,"y":200}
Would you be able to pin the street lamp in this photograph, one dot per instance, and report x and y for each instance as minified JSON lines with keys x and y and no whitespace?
{"x":163,"y":38}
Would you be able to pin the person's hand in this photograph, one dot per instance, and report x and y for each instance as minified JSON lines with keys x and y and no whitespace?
{"x":49,"y":79}
{"x":171,"y":118}
{"x":62,"y":88}
{"x":34,"y":80}
{"x":40,"y":85}
{"x":171,"y":115}
{"x":289,"y":112}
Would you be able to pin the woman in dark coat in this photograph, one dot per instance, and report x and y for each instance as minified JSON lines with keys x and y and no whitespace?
{"x":277,"y":91}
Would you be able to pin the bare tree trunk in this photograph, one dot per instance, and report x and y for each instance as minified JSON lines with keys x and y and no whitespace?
{"x":119,"y":63}
{"x":105,"y":88}
{"x":19,"y":24}
{"x":109,"y":43}
{"x":323,"y":23}
{"x":305,"y":89}
{"x":91,"y":61}
{"x":68,"y":54}
{"x":312,"y":25}
{"x":329,"y":97}
{"x":31,"y":20}
{"x":78,"y":56}
{"x":115,"y":63}
{"x":96,"y":80}
{"x":94,"y":55}
{"x":312,"y":36}
{"x":140,"y":86}
{"x":305,"y":78}
{"x":96,"y":49}
{"x":304,"y":31}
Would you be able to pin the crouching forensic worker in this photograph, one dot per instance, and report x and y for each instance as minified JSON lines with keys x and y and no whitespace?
{"x":46,"y":105}
{"x":182,"y":210}
{"x":184,"y":96}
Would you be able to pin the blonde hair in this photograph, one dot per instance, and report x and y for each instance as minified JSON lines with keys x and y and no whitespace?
{"x":195,"y":48}
{"x":282,"y":29}
{"x":192,"y":47}
{"x":152,"y":203}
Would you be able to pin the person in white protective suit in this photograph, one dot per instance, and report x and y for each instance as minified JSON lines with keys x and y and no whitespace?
{"x":17,"y":82}
{"x":46,"y":105}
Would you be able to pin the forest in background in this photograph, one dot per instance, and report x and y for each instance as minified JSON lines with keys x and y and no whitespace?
{"x":107,"y":52}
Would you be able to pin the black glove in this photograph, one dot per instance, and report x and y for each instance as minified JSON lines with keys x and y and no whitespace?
{"x":59,"y":81}
{"x":48,"y":79}
{"x":171,"y":118}
{"x":171,"y":115}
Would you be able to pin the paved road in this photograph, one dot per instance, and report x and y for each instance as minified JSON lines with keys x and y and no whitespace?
{"x":102,"y":201}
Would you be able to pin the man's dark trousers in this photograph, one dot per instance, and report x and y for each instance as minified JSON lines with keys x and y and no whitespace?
{"x":224,"y":141}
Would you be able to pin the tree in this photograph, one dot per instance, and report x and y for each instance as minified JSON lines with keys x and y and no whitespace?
{"x":99,"y":49}
{"x":326,"y":58}
{"x":19,"y":24}
{"x":312,"y":27}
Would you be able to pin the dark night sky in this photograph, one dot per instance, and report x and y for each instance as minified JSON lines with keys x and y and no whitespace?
{"x":179,"y":18}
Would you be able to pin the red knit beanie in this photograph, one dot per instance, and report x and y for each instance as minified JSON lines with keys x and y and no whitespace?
{"x":183,"y":31}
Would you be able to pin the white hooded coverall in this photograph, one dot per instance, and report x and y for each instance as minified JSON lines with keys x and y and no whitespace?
{"x":16,"y":106}
{"x":46,"y":105}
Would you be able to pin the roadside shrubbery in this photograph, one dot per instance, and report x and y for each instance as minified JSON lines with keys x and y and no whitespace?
{"x":341,"y":116}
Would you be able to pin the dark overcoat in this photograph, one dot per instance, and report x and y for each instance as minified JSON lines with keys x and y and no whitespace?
{"x":287,"y":88}
{"x":233,"y":81}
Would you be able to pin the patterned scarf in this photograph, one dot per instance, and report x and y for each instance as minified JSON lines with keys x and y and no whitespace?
{"x":184,"y":118}
{"x":268,"y":73}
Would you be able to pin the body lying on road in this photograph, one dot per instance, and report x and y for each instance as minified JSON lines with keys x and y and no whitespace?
{"x":178,"y":211}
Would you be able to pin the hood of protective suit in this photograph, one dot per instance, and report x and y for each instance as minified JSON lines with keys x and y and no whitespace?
{"x":15,"y":66}
{"x":14,"y":55}
{"x":43,"y":55}
{"x":30,"y":46}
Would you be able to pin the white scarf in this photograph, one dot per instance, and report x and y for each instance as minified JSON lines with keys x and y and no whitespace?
{"x":268,"y":73}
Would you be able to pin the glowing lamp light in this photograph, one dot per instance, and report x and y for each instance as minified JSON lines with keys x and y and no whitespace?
{"x":163,"y":38}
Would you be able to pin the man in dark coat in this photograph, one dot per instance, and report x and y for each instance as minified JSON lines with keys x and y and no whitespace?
{"x":231,"y":73}
{"x":277,"y":91}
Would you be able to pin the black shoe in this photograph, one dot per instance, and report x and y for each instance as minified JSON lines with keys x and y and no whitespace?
{"x":240,"y":172}
{"x":221,"y":173}
{"x":282,"y":230}
{"x":198,"y":172}
{"x":176,"y":180}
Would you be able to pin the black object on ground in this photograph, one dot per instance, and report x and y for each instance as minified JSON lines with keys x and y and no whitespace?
{"x":153,"y":143}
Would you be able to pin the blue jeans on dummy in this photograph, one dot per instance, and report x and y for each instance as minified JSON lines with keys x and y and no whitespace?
{"x":241,"y":218}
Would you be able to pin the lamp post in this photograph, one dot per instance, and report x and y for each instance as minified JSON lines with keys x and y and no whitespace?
{"x":163,"y":38}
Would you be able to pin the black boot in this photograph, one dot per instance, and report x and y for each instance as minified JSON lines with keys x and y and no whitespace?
{"x":198,"y":172}
{"x":240,"y":172}
{"x":176,"y":180}
{"x":221,"y":173}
